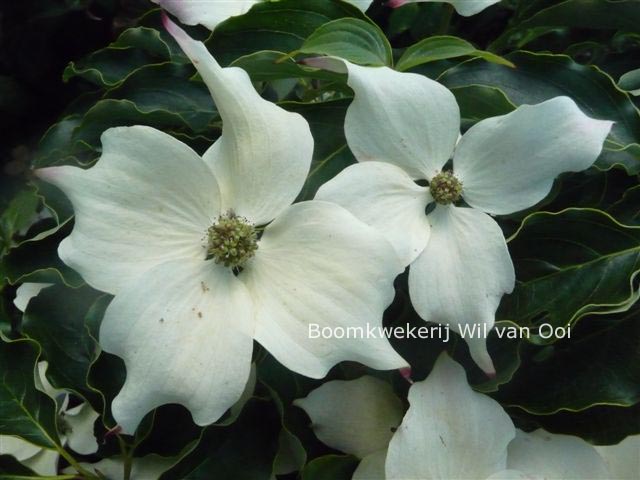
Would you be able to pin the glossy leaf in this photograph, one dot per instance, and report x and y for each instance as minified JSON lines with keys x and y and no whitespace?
{"x":570,"y":264}
{"x":354,"y":40}
{"x":443,"y":48}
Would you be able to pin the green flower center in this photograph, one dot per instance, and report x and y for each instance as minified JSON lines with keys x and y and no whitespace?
{"x":232,"y":240}
{"x":445,"y":188}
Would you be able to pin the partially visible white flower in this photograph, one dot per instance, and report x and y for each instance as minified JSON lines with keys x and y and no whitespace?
{"x":623,"y":459}
{"x":404,"y":127}
{"x":26,"y":292}
{"x":465,"y":8}
{"x":449,"y":431}
{"x":76,"y":425}
{"x":210,"y":13}
{"x":206,"y":254}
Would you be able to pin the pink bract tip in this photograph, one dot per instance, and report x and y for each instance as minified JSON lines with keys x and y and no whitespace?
{"x":396,"y":3}
{"x":406,"y":374}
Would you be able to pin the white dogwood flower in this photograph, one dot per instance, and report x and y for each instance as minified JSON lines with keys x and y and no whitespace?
{"x":449,"y":431}
{"x":205,"y":254}
{"x":404,"y":127}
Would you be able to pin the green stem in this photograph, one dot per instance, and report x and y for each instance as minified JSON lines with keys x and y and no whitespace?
{"x":128,"y":459}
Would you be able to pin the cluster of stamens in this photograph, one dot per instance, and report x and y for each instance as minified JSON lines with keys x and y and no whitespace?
{"x":232,"y":240}
{"x":445,"y":188}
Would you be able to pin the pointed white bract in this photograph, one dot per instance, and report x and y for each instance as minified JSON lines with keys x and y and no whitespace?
{"x":505,"y":164}
{"x":183,"y":319}
{"x":449,"y":432}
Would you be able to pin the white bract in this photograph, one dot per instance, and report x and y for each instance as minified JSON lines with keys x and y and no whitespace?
{"x":76,"y":429}
{"x":210,"y":13}
{"x":449,"y":432}
{"x":176,"y":238}
{"x":404,"y":127}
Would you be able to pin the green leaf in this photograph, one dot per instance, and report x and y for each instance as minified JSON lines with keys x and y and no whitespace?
{"x":25,"y":411}
{"x":478,"y":102}
{"x":630,"y":82}
{"x":598,"y":365}
{"x":442,"y":48}
{"x":587,"y":14}
{"x":330,"y":467}
{"x":627,"y":209}
{"x":281,"y":26}
{"x":570,"y":264}
{"x":539,"y":77}
{"x":17,"y":216}
{"x":352,"y":39}
{"x":603,"y":424}
{"x":37,"y":260}
{"x":135,"y":48}
{"x":269,"y":65}
{"x":244,"y":450}
{"x":58,"y":320}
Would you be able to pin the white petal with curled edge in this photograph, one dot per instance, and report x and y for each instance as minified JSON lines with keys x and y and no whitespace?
{"x":401,"y":118}
{"x":371,"y":467}
{"x":208,"y":13}
{"x":465,"y":8}
{"x":386,"y":198}
{"x":361,"y":4}
{"x":26,"y":292}
{"x":508,"y":163}
{"x":263,"y":157}
{"x":449,"y":431}
{"x":555,"y":457}
{"x":622,"y":459}
{"x":317,"y":264}
{"x":45,"y":462}
{"x":80,"y":437}
{"x":149,"y":199}
{"x":183,"y":330}
{"x":461,"y":275}
{"x":354,"y":416}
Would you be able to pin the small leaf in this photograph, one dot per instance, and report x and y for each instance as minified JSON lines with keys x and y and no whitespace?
{"x":442,"y":48}
{"x":352,"y":39}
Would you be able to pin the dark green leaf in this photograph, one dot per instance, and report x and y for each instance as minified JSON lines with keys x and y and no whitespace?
{"x":25,"y":411}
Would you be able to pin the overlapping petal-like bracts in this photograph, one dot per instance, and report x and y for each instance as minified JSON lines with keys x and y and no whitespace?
{"x":449,"y":432}
{"x":184,"y":324}
{"x":406,"y":126}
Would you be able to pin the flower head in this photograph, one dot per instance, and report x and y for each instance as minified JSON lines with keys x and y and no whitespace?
{"x":404,"y":127}
{"x":206,"y":254}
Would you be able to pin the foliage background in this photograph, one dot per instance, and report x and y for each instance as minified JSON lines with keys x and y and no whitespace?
{"x":71,"y":69}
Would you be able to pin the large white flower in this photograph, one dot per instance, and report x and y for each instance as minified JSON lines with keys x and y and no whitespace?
{"x":449,"y":432}
{"x":205,"y":254}
{"x":404,"y":127}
